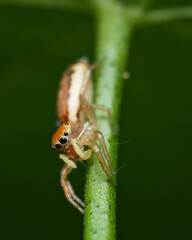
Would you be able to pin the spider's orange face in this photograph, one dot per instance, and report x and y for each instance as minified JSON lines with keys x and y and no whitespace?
{"x":60,"y":138}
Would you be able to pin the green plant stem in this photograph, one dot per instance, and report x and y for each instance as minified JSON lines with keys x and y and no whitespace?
{"x":134,"y":13}
{"x":113,"y":42}
{"x":165,"y":15}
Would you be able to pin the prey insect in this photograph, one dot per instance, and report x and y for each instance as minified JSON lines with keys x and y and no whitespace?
{"x":79,"y":126}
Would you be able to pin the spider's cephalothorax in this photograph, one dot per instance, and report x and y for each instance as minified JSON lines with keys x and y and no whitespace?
{"x":78,"y":128}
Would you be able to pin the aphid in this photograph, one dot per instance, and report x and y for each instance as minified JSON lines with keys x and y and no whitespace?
{"x":76,"y":113}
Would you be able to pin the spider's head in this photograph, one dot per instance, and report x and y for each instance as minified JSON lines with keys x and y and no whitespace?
{"x":61,"y":137}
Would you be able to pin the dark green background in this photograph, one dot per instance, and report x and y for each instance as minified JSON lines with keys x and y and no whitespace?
{"x":154,"y":187}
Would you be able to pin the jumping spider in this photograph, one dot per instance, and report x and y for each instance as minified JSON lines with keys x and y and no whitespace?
{"x":79,"y":124}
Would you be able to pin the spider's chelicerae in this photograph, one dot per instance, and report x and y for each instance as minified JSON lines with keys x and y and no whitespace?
{"x":78,"y":128}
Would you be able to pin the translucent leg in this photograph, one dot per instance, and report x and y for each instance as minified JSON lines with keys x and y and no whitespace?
{"x":101,"y":139}
{"x":85,"y":105}
{"x":99,"y":156}
{"x":78,"y":200}
{"x":87,"y":77}
{"x":85,"y":81}
{"x":104,"y":109}
{"x":88,"y":107}
{"x":69,"y":193}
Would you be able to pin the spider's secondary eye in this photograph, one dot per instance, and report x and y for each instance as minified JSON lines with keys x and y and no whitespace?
{"x":58,"y":146}
{"x":66,"y":133}
{"x":63,"y":140}
{"x":66,"y":123}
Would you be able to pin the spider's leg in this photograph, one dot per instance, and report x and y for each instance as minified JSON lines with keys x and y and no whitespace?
{"x":87,"y":77}
{"x":105,"y":109}
{"x":78,"y":200}
{"x":99,"y":156}
{"x":87,"y":107}
{"x":99,"y":136}
{"x":69,"y":193}
{"x":85,"y":81}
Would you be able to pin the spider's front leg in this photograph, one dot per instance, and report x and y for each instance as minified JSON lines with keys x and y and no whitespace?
{"x":92,"y":142}
{"x":99,"y":136}
{"x":68,"y":189}
{"x":99,"y":155}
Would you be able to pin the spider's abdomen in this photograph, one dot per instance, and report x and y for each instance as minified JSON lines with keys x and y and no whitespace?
{"x":68,"y":102}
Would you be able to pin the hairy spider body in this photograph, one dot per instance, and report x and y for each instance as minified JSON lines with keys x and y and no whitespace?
{"x":78,"y":128}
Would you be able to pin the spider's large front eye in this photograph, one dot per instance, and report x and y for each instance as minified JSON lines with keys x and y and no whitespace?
{"x":58,"y":146}
{"x":63,"y":140}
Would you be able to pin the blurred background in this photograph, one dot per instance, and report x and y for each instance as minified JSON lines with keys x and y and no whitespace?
{"x":154,"y":187}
